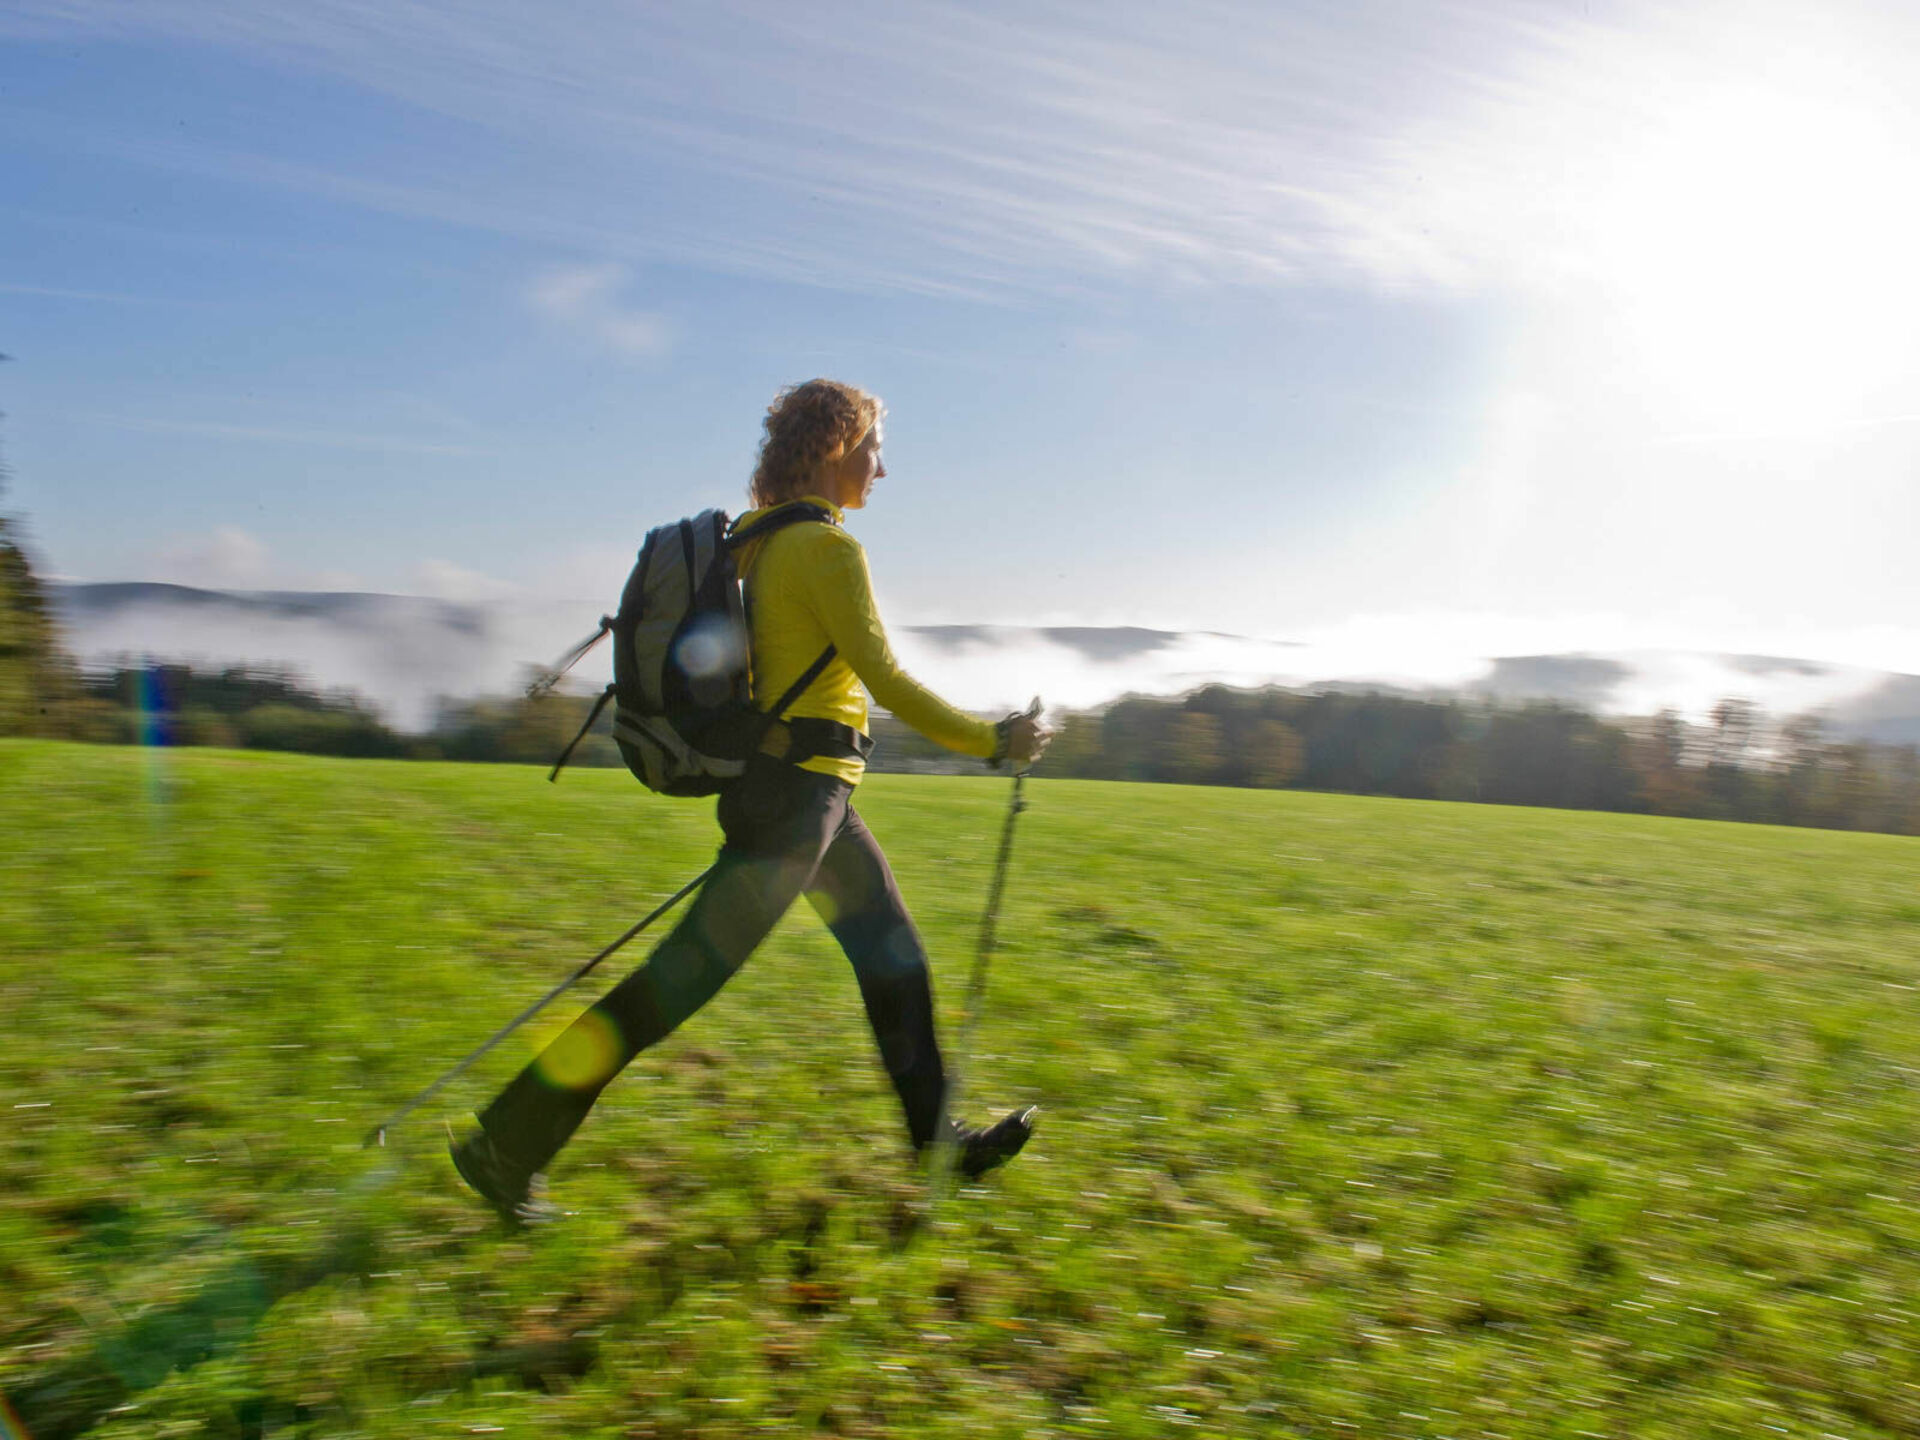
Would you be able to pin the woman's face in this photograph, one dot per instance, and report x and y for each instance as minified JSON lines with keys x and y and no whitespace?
{"x":849,"y":480}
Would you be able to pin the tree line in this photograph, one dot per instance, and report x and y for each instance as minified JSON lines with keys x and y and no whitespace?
{"x":1737,"y":766}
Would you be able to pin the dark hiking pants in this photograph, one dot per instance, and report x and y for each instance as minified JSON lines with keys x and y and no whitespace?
{"x":788,"y":831}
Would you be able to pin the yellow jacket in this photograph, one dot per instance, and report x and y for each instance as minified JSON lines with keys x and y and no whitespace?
{"x":808,"y":587}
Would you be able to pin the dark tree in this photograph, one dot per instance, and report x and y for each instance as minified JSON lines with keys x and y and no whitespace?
{"x":35,"y":672}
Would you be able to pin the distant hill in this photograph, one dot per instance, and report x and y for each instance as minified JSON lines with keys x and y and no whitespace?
{"x":405,"y":652}
{"x":1094,"y":642}
{"x":84,"y":603}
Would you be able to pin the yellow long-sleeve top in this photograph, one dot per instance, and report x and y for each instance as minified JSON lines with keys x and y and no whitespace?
{"x":808,"y":587}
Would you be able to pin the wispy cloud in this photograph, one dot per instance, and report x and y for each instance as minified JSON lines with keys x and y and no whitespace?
{"x":56,"y":292}
{"x":231,"y":557}
{"x":587,"y":299}
{"x":443,"y":580}
{"x":274,"y":435}
{"x":227,"y":557}
{"x":1393,"y":145}
{"x":934,"y":147}
{"x":1789,"y":432}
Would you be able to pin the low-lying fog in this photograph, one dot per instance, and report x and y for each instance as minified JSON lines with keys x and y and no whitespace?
{"x":405,"y":653}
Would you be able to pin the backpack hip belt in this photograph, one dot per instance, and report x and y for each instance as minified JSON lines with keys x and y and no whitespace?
{"x":809,"y":738}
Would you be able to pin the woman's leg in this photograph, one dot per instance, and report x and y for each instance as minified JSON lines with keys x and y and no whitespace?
{"x":778,"y":823}
{"x":854,"y":891}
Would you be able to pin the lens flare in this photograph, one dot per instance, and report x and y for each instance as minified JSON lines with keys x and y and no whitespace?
{"x":586,"y":1054}
{"x":823,"y":905}
{"x":709,"y":648}
{"x":155,"y":721}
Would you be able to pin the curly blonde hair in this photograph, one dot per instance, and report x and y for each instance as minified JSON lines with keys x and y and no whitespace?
{"x":807,"y":426}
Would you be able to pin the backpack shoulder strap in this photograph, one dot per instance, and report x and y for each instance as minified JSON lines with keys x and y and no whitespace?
{"x":777,"y":519}
{"x":798,"y":688}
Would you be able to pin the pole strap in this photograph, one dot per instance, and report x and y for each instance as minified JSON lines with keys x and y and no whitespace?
{"x":580,"y":734}
{"x":550,"y":677}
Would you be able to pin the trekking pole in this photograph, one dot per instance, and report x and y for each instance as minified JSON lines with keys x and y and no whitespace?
{"x":977,"y":982}
{"x":378,"y":1135}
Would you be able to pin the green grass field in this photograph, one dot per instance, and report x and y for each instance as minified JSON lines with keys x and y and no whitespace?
{"x":1362,"y":1118}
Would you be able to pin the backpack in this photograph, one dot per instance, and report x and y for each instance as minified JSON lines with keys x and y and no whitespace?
{"x":685,"y":721}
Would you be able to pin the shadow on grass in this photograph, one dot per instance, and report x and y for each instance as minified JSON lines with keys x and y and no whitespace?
{"x":66,"y":1400}
{"x":72,"y":1395}
{"x":71,"y":1398}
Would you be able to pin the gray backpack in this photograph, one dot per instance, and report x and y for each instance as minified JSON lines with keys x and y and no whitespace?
{"x":684,"y":719}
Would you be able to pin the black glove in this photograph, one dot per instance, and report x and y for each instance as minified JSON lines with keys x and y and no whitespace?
{"x":1003,"y":732}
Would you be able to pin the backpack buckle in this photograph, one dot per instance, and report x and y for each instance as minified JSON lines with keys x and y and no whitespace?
{"x":778,"y":740}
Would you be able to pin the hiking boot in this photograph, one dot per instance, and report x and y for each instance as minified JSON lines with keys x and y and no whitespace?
{"x":510,"y":1190}
{"x":985,"y":1149}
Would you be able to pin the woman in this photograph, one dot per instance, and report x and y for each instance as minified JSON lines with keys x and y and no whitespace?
{"x":788,"y":823}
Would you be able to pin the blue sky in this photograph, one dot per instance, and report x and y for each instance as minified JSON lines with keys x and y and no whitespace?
{"x":1522,"y":326}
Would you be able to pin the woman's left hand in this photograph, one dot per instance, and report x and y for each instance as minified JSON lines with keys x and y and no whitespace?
{"x":1024,"y":738}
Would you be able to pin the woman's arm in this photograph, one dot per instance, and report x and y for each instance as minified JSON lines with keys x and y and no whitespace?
{"x":843,"y":600}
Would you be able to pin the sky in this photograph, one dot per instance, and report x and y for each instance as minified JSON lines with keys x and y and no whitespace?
{"x":1517,"y":327}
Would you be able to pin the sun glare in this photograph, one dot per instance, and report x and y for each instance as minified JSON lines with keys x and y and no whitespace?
{"x":1758,"y":253}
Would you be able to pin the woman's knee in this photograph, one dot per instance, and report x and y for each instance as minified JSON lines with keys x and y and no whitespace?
{"x":889,"y":950}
